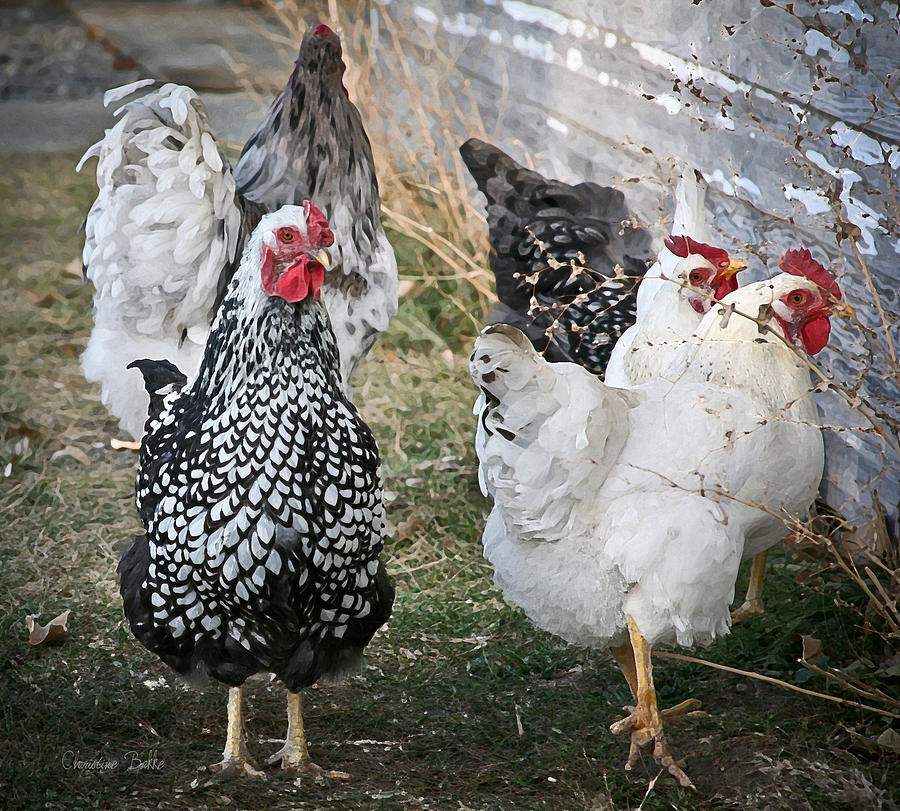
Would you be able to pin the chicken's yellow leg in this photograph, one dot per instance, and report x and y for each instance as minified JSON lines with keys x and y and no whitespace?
{"x":294,"y":755}
{"x":646,"y":721}
{"x":624,"y":656}
{"x":235,"y":759}
{"x":753,"y":601}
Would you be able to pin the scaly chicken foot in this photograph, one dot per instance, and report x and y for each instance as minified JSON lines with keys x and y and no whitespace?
{"x":236,"y":761}
{"x":624,"y":656}
{"x":294,"y":756}
{"x":689,"y":708}
{"x":646,"y":721}
{"x":753,"y":603}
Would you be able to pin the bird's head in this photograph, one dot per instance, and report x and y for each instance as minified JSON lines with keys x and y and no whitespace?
{"x":294,"y":252}
{"x":806,"y":296}
{"x":321,"y":55}
{"x":708,"y":273}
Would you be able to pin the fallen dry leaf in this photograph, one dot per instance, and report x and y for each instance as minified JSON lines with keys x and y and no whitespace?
{"x":74,"y":267}
{"x":123,"y":445}
{"x":812,"y":648}
{"x":409,"y":528}
{"x":890,"y":740}
{"x":52,"y":633}
{"x":887,"y":741}
{"x":74,"y":452}
{"x":870,"y":540}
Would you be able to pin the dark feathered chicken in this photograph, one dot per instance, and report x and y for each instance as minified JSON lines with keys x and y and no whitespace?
{"x":171,"y":217}
{"x":312,"y":145}
{"x":259,"y":487}
{"x":567,"y":315}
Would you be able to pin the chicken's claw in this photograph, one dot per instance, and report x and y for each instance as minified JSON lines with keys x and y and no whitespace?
{"x":640,"y":739}
{"x":747,"y":609}
{"x":235,"y":767}
{"x":690,"y":708}
{"x":294,"y":765}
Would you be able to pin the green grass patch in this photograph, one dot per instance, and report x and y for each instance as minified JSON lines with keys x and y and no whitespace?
{"x":462,"y":703}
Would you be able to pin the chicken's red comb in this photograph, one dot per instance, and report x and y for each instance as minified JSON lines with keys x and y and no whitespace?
{"x":683,"y":246}
{"x":322,"y":30}
{"x":799,"y":262}
{"x":317,"y":230}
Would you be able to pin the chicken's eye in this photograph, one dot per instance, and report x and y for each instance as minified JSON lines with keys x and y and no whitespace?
{"x":286,"y":235}
{"x":797,"y":298}
{"x":696,"y":277}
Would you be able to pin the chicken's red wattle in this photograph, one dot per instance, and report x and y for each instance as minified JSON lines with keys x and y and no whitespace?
{"x":814,"y":334}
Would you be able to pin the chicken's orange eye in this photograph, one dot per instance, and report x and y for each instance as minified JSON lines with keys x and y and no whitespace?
{"x":798,"y":297}
{"x":286,"y":235}
{"x":696,"y":277}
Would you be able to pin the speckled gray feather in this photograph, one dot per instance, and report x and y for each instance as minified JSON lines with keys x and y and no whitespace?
{"x":171,"y":218}
{"x":312,"y":146}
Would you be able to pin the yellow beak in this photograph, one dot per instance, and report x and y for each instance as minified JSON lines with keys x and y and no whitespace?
{"x":323,"y":258}
{"x":735,"y":266}
{"x":843,"y":310}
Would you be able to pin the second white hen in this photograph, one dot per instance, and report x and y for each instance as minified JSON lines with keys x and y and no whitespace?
{"x":689,"y":275}
{"x":621,"y":516}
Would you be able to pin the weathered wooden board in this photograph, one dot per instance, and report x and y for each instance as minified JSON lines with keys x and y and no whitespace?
{"x":767,"y":104}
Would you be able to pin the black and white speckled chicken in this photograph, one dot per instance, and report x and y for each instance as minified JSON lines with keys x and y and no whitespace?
{"x":259,"y":488}
{"x":171,"y":218}
{"x":568,"y":315}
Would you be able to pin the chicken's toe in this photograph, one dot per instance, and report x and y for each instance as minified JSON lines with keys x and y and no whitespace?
{"x":297,"y":764}
{"x":748,"y":609}
{"x":235,"y":767}
{"x":689,"y":708}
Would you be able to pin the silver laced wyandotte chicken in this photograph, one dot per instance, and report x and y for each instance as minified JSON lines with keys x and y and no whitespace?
{"x":259,"y":487}
{"x":171,"y":217}
{"x":621,"y":516}
{"x":568,"y":314}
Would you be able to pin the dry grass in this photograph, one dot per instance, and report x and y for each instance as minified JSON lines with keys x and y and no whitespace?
{"x":462,"y":703}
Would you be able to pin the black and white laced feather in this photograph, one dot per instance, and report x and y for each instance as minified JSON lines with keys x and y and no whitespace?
{"x":171,"y":217}
{"x":259,"y":487}
{"x":568,"y":314}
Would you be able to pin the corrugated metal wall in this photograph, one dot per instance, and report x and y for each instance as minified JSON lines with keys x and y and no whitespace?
{"x":793,"y":131}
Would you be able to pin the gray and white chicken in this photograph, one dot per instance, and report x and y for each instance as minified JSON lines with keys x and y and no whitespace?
{"x":171,"y":218}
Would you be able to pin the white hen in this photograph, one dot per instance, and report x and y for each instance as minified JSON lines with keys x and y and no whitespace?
{"x":621,"y":516}
{"x":684,"y":282}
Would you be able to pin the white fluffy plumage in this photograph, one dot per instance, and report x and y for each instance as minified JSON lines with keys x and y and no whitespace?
{"x":164,"y":225}
{"x":665,"y":316}
{"x":641,"y":503}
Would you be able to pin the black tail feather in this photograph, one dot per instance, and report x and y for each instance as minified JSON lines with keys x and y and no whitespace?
{"x":161,"y":377}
